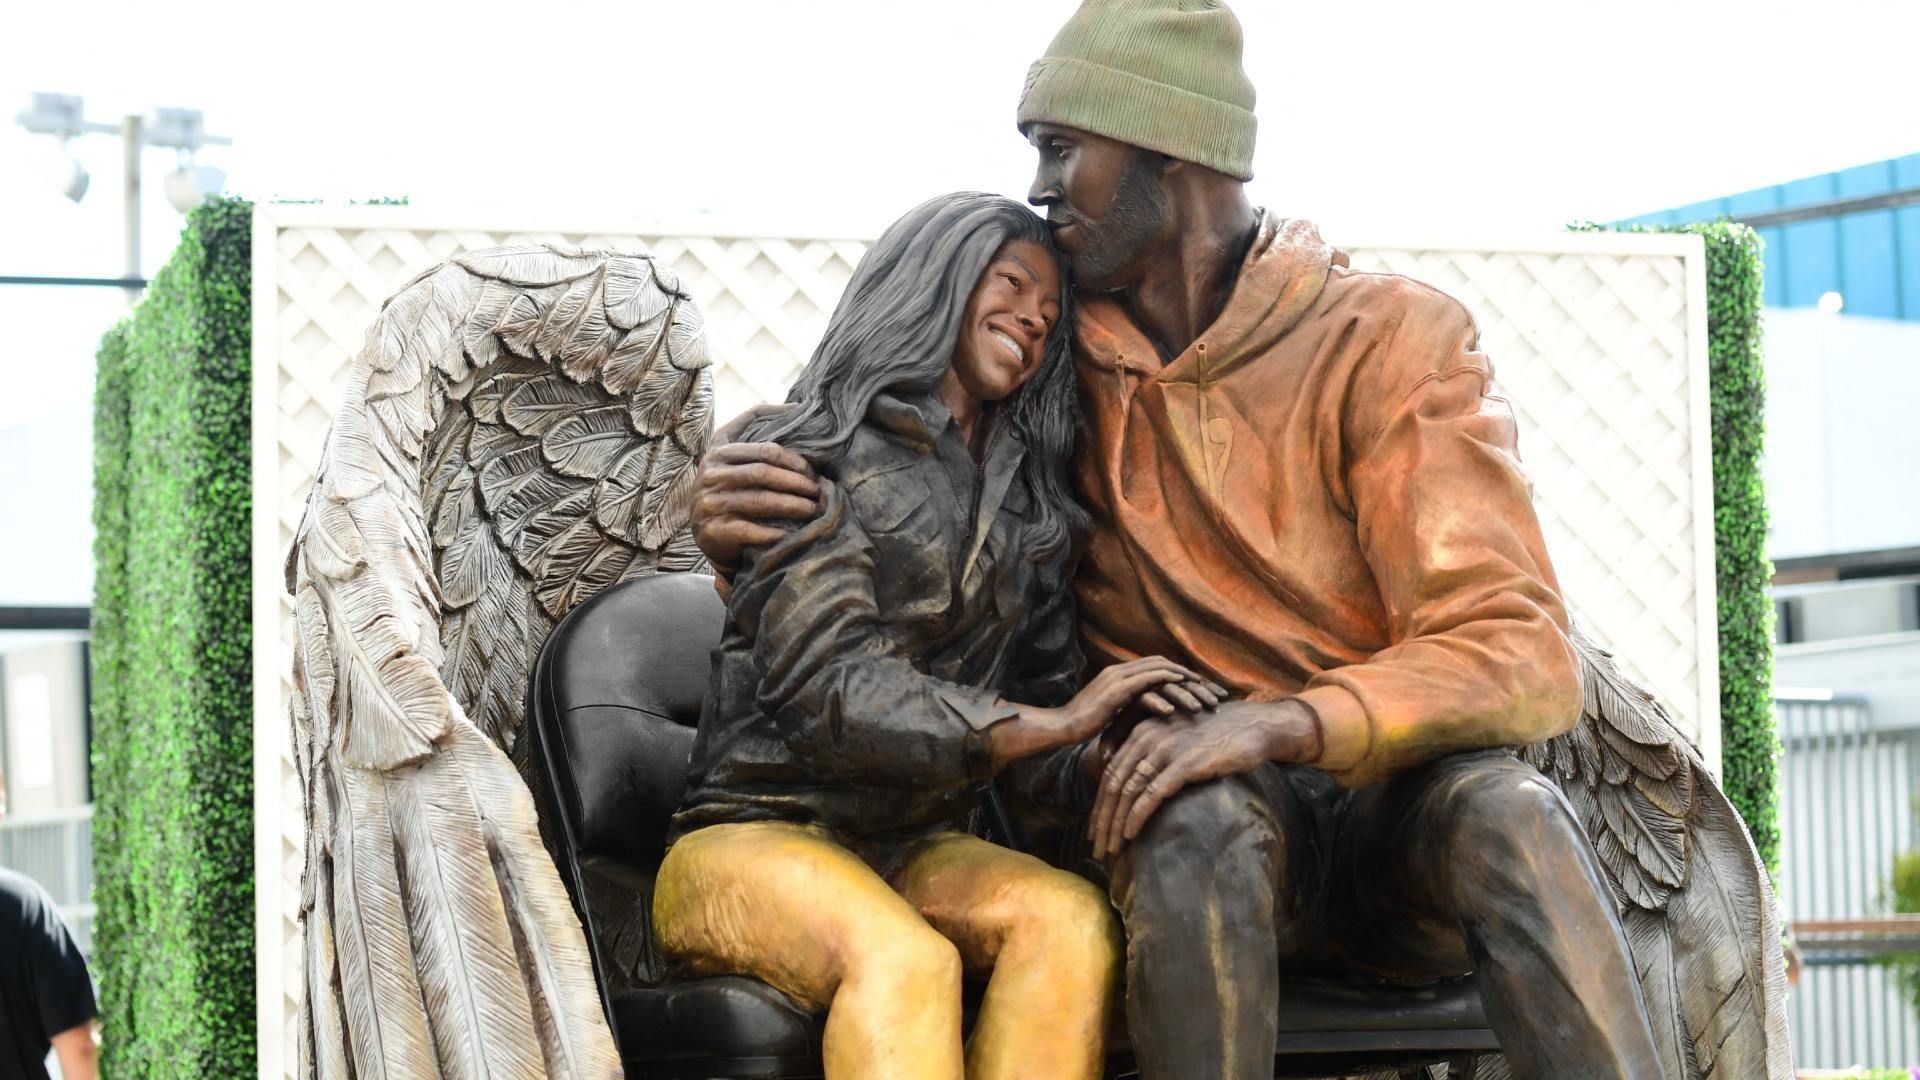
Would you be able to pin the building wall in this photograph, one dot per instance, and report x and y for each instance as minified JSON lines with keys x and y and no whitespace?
{"x":1872,"y":259}
{"x":1842,"y":440}
{"x":46,"y":548}
{"x":1883,"y":672}
{"x":43,"y":710}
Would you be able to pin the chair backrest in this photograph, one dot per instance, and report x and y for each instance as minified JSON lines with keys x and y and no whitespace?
{"x":614,"y":703}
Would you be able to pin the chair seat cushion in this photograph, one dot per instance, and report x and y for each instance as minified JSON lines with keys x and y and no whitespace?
{"x":731,"y":1016}
{"x":724,"y":1017}
{"x":1311,"y":1005}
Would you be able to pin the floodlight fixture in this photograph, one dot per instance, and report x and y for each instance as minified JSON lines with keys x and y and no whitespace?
{"x":68,"y":175}
{"x":60,"y":115}
{"x":63,"y":116}
{"x":190,"y":185}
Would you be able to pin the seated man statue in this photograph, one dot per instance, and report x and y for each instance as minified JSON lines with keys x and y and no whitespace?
{"x":1304,"y":488}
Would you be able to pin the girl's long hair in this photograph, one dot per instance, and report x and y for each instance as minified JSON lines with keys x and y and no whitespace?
{"x":895,"y":329}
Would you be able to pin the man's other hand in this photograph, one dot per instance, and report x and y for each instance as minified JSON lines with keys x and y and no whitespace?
{"x":743,"y":490}
{"x":1162,"y":756}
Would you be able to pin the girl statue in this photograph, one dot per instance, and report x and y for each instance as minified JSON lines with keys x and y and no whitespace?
{"x":883,"y":662}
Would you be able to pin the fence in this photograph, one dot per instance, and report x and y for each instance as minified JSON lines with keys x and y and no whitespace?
{"x":1847,"y":808}
{"x":56,"y":850}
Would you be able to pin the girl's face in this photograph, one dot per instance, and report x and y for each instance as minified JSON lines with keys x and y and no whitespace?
{"x":1004,"y":335}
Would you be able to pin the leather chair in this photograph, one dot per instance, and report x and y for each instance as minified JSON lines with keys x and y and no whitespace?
{"x":613,"y":704}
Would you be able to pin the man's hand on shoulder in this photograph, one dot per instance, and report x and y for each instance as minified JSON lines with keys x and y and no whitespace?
{"x":1162,"y":756}
{"x":744,"y":490}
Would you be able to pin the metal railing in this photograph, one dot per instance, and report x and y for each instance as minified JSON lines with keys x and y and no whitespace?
{"x":1848,"y":791}
{"x":56,"y":849}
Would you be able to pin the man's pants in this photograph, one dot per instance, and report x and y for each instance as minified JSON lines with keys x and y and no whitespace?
{"x":1472,"y":863}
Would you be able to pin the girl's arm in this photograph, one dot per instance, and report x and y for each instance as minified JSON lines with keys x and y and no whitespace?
{"x":849,"y":698}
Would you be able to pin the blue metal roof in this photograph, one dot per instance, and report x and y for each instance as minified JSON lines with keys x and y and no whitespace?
{"x":1871,"y":258}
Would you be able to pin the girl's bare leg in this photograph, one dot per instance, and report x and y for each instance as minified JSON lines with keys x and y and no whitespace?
{"x":1050,"y":938}
{"x":786,"y":905}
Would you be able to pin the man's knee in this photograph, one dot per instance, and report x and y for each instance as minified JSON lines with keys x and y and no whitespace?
{"x":1200,"y":820}
{"x":1217,"y":839}
{"x":1502,"y":825}
{"x":1503,"y":799}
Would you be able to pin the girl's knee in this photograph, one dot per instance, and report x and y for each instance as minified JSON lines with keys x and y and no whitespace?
{"x":1068,"y":911}
{"x":904,"y":953}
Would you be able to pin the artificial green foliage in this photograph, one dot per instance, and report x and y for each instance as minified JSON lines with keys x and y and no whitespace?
{"x":172,"y":674}
{"x":1901,"y":892}
{"x":1750,"y":737}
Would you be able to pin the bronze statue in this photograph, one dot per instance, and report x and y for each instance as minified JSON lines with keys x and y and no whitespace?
{"x":1380,"y":749}
{"x":885,"y":659}
{"x":1304,"y":487}
{"x":518,"y":433}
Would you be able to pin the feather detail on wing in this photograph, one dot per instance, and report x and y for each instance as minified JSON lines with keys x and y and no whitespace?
{"x":519,"y":432}
{"x":1695,"y":900}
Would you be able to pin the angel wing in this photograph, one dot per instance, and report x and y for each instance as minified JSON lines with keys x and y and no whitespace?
{"x":519,"y":432}
{"x":1694,"y":898}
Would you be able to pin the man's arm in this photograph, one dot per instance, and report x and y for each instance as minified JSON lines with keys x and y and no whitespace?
{"x":1478,"y":654}
{"x":744,"y":492}
{"x":78,"y":1052}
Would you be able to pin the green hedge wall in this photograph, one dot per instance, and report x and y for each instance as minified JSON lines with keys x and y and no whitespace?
{"x":1750,"y":747}
{"x":1750,"y":755}
{"x":172,"y":677}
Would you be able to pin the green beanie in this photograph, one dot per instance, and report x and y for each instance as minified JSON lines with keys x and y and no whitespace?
{"x":1161,"y":74}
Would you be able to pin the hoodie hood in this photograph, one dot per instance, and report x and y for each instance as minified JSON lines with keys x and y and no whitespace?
{"x":1283,"y":274}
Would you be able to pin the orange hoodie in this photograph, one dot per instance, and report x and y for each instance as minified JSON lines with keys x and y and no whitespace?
{"x":1322,"y":497}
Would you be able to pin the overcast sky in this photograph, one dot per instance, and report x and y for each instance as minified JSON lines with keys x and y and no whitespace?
{"x":1379,"y":118}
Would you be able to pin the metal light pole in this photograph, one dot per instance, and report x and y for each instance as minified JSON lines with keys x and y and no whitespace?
{"x":132,"y":141}
{"x":63,"y":116}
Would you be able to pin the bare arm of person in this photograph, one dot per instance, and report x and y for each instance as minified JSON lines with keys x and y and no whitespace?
{"x":78,"y":1052}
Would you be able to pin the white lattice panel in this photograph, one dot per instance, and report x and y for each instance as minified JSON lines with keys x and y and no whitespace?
{"x":1599,"y":340}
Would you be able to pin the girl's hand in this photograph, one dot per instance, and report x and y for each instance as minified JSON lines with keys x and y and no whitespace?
{"x":1189,"y":697}
{"x":1144,"y":688}
{"x":1137,"y":688}
{"x":1194,"y":698}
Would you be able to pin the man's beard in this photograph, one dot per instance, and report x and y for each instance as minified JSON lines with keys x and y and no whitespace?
{"x":1111,"y":247}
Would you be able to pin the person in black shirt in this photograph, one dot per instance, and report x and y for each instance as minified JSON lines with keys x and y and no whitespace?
{"x":46,"y":995}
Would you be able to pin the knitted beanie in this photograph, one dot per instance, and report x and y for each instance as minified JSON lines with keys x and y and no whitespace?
{"x":1160,"y":74}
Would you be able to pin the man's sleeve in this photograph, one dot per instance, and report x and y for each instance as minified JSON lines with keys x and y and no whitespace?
{"x":843,"y":693}
{"x":62,"y":988}
{"x":1478,"y":652}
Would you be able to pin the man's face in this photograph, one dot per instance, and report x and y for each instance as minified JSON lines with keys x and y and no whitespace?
{"x":1103,"y":199}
